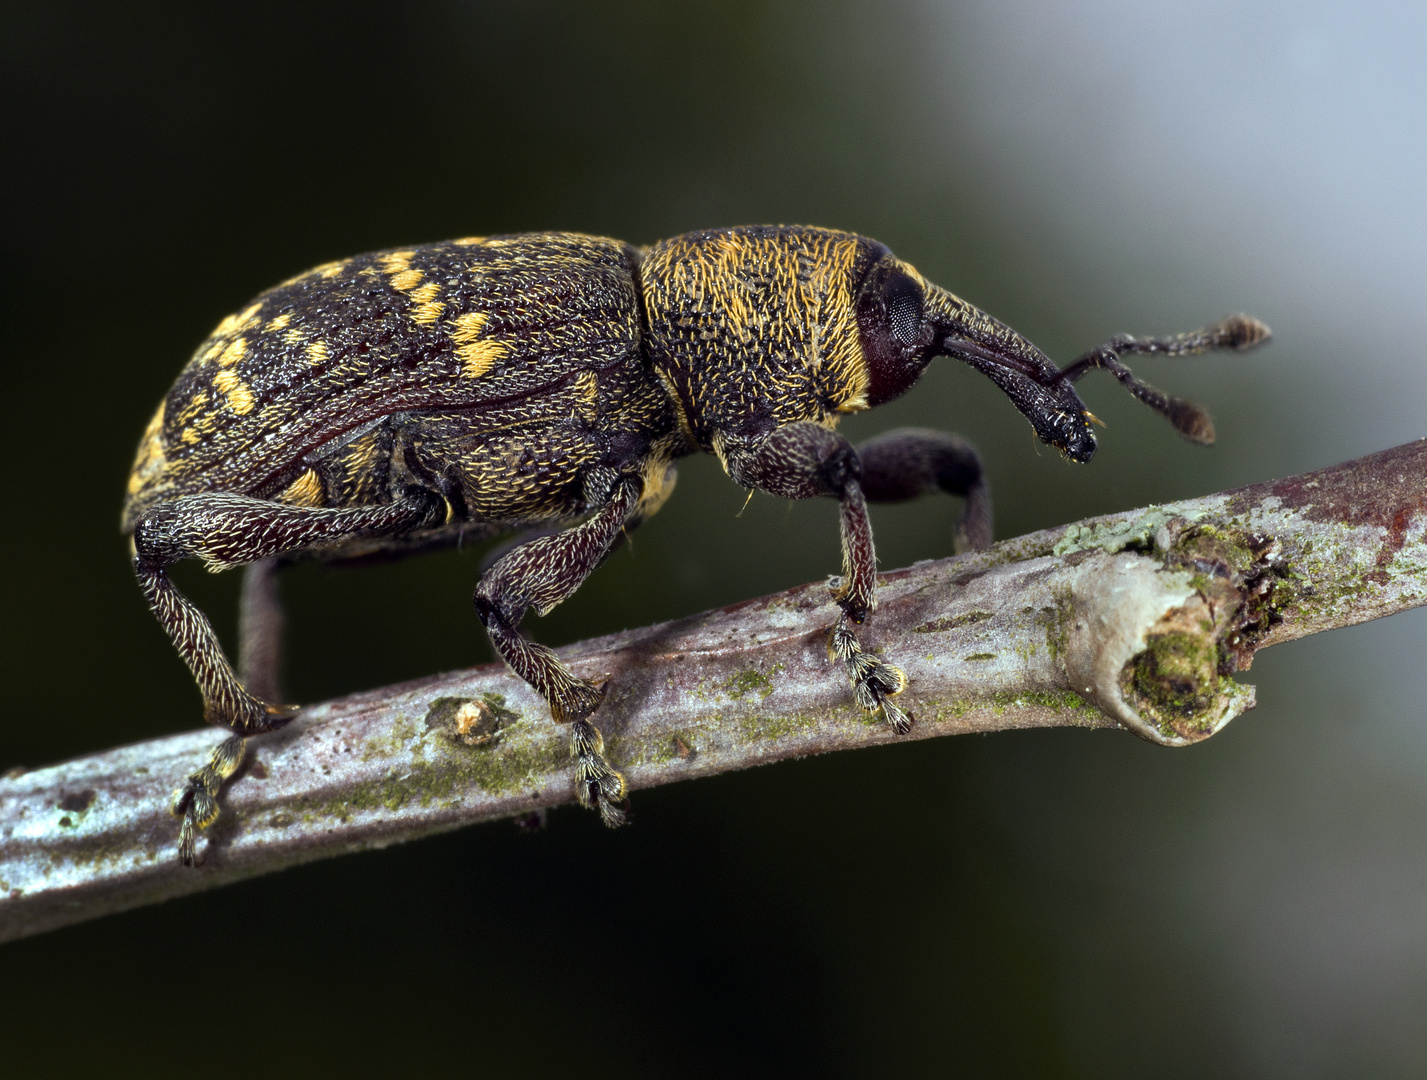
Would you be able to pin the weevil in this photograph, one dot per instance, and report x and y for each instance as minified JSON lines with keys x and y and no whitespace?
{"x":548,"y":383}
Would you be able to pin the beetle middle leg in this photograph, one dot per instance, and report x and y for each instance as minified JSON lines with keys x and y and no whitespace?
{"x":802,"y":460}
{"x":540,"y":574}
{"x":260,"y":631}
{"x":226,"y":530}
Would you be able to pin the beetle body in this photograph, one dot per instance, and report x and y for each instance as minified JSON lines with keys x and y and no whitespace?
{"x":406,"y":399}
{"x":504,"y":374}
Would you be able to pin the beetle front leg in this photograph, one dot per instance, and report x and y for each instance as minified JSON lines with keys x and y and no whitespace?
{"x":799,"y":461}
{"x":911,"y":462}
{"x":540,"y":574}
{"x":874,"y":681}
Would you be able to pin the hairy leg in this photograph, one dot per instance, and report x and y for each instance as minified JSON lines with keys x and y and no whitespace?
{"x":260,"y":627}
{"x":803,"y":460}
{"x":540,"y":574}
{"x":910,"y":462}
{"x":228,"y":530}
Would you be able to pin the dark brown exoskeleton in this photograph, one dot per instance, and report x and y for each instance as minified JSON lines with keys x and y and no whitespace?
{"x":402,"y":400}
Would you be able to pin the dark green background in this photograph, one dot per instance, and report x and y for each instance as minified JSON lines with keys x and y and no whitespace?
{"x":1056,"y":903}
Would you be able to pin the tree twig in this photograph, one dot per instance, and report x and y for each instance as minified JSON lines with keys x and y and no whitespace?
{"x":1134,"y":620}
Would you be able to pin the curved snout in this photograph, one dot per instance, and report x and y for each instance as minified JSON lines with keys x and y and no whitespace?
{"x":1023,"y":372}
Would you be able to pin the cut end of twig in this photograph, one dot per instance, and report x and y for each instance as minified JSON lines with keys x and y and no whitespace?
{"x":1145,"y":648}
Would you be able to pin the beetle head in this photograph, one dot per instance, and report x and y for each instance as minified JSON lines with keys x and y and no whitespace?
{"x":905,"y":321}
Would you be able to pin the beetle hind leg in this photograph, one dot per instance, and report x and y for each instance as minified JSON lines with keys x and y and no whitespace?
{"x":874,"y":681}
{"x":197,"y":801}
{"x":227,"y":530}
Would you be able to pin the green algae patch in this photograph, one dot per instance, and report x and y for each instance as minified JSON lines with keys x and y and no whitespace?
{"x":1137,"y":534}
{"x":774,"y":728}
{"x":1081,"y":712}
{"x":520,"y":760}
{"x":747,"y":682}
{"x":945,"y":623}
{"x":1057,"y":621}
{"x":979,"y":656}
{"x":393,"y":741}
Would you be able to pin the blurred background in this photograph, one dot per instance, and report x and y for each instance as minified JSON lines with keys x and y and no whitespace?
{"x":1060,"y":903}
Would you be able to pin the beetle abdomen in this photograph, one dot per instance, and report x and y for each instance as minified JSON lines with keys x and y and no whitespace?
{"x":444,"y":326}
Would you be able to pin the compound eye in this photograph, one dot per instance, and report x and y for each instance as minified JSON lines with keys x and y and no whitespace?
{"x":904,"y":308}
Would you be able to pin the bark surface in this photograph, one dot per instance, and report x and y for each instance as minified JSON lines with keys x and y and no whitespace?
{"x":1137,"y":620}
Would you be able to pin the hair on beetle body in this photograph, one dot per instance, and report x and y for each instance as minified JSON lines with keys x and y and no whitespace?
{"x":546,"y":384}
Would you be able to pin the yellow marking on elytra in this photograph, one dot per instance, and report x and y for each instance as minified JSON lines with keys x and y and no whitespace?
{"x":406,"y":280}
{"x":280,"y":323}
{"x":306,"y":490}
{"x":468,"y":327}
{"x":326,"y":270}
{"x":394,"y":262}
{"x":587,"y":389}
{"x":212,"y":351}
{"x":477,"y":354}
{"x":294,"y":337}
{"x":468,"y":240}
{"x":233,"y":353}
{"x":196,"y":407}
{"x":150,"y":461}
{"x":428,"y":309}
{"x":239,"y":394}
{"x":189,"y":436}
{"x":233,"y":323}
{"x":317,"y":354}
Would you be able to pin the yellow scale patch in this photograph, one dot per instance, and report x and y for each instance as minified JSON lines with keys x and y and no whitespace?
{"x":394,"y":262}
{"x":587,"y":389}
{"x":317,"y":353}
{"x":233,"y":323}
{"x":150,"y":462}
{"x":306,"y":490}
{"x":428,"y":309}
{"x":477,"y":354}
{"x":239,"y":394}
{"x":233,"y":353}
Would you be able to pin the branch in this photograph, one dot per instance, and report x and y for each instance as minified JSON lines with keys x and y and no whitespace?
{"x":1136,"y":620}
